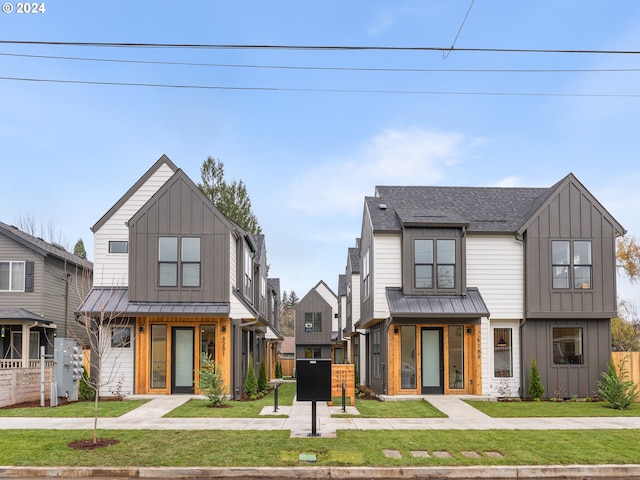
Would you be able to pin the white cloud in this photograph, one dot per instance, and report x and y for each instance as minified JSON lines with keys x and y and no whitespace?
{"x":509,"y":182}
{"x":402,"y":157}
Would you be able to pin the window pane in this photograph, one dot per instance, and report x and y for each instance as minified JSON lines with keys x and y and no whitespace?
{"x":560,"y":277}
{"x":118,"y":247}
{"x":158,"y":356}
{"x":317,"y":322}
{"x":120,"y":337}
{"x":582,"y":277}
{"x":502,"y":353}
{"x":456,"y":356}
{"x":567,"y":346}
{"x":34,"y":345}
{"x":190,"y":274}
{"x":423,"y":251}
{"x":560,"y":252}
{"x":17,"y":276}
{"x":582,"y":253}
{"x":424,"y":276}
{"x":190,"y":249}
{"x":446,"y":251}
{"x":4,"y":275}
{"x":446,"y":276}
{"x":168,"y":275}
{"x":208,"y":341}
{"x":168,"y":249}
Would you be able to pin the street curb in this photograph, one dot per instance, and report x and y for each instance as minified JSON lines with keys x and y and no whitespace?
{"x":547,"y":472}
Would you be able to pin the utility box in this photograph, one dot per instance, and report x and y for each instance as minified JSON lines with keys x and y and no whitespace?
{"x":67,"y":368}
{"x":313,"y":379}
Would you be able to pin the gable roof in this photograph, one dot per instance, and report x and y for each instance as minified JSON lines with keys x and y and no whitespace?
{"x":354,"y":259}
{"x":134,"y":188}
{"x":479,"y":209}
{"x":42,"y":247}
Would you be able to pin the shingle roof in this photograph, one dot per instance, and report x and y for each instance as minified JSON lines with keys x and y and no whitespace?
{"x":470,"y":305}
{"x":42,"y":247}
{"x":342,"y":285}
{"x":354,"y":260}
{"x":21,"y":314}
{"x":116,"y":300}
{"x":483,"y":209}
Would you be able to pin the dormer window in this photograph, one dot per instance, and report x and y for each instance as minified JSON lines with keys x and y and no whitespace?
{"x":434,"y":263}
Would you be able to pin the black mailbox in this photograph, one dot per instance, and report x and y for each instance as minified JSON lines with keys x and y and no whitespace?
{"x":313,"y":379}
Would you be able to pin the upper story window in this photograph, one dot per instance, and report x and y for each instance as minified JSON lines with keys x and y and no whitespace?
{"x":434,"y":263}
{"x":248,"y":272}
{"x":572,"y":264}
{"x":366,"y":280}
{"x":181,"y":255}
{"x":118,"y":246}
{"x":313,"y":322}
{"x":12,"y":276}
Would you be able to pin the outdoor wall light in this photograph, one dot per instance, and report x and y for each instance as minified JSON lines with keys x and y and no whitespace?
{"x":141,"y":328}
{"x":2,"y":332}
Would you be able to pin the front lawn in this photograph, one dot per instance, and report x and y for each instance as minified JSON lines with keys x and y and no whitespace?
{"x":391,"y":409}
{"x":236,"y":409}
{"x":159,"y":448}
{"x":75,"y":409}
{"x":551,"y":409}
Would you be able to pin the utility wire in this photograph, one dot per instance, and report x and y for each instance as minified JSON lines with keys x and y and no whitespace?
{"x":320,"y":90}
{"x":314,"y":47}
{"x":348,"y":69}
{"x":446,"y":54}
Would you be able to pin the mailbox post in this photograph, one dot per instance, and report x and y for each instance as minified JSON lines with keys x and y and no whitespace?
{"x":314,"y":384}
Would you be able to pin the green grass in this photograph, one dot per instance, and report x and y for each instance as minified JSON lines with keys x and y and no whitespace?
{"x":350,"y":448}
{"x":391,"y":409}
{"x":552,"y":409}
{"x":75,"y":409}
{"x":200,"y":408}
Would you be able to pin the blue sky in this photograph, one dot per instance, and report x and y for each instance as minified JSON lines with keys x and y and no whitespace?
{"x":320,"y":139}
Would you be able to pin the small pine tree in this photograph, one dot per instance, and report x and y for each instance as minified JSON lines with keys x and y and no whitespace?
{"x":535,"y":384}
{"x":210,"y":382}
{"x":262,"y":378}
{"x":250,"y":381}
{"x":279,"y":370}
{"x":616,"y":388}
{"x":79,"y":249}
{"x":85,"y":392}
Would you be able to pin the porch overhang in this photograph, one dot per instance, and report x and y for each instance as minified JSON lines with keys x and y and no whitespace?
{"x":115,"y":300}
{"x":19,"y":316}
{"x":470,"y":307}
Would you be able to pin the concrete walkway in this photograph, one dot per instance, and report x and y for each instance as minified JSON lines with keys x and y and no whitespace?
{"x":461,"y":416}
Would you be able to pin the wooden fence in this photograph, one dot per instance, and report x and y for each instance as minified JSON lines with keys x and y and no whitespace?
{"x":19,"y":385}
{"x":288,"y":366}
{"x":632,"y":364}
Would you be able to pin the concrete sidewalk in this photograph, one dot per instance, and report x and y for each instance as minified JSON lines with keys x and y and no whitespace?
{"x":461,"y":416}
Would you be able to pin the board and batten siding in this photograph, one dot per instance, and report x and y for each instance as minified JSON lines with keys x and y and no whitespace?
{"x":112,"y":269}
{"x":495,"y":265}
{"x":386,"y":271}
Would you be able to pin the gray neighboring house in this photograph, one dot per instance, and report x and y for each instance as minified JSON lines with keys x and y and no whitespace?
{"x":315,"y":330}
{"x":461,"y":287}
{"x":41,"y":285}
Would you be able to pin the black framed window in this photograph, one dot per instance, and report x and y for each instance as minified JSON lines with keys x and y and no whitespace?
{"x":434,"y":263}
{"x":179,"y":257}
{"x":313,"y":322}
{"x":567,"y":346}
{"x":502,"y":352}
{"x":121,"y":337}
{"x":571,"y":264}
{"x":118,"y":246}
{"x":190,"y":261}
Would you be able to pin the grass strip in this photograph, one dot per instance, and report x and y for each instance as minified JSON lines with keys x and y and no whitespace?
{"x":551,"y":409}
{"x":351,"y":448}
{"x":390,"y":409}
{"x":106,"y":409}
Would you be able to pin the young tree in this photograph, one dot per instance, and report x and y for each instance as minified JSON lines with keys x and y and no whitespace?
{"x":262,"y":378}
{"x":536,"y":389}
{"x":232,"y":199}
{"x":616,"y":388}
{"x":79,"y":249}
{"x":250,"y":381}
{"x":211,"y":383}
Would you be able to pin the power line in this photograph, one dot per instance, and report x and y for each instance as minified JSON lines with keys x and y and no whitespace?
{"x":320,"y":90}
{"x":446,"y":54}
{"x":314,"y":47}
{"x":348,"y":69}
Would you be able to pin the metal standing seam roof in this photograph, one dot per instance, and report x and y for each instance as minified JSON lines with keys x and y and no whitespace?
{"x":471,"y":305}
{"x":116,"y":300}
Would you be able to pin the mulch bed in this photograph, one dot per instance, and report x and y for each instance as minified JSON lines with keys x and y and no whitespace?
{"x":89,"y":445}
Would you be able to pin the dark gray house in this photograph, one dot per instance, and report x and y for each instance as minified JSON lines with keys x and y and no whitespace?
{"x":460,"y":287}
{"x":186,"y":281}
{"x":41,"y":284}
{"x":316,"y":325}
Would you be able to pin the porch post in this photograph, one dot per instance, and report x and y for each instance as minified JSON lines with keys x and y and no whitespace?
{"x":25,"y":346}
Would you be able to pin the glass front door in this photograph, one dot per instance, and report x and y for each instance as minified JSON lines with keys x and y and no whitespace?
{"x":432,"y":361}
{"x":182,"y":353}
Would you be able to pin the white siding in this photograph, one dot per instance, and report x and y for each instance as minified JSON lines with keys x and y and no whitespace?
{"x":326,"y":293}
{"x":238,"y":310}
{"x":490,"y":383}
{"x":117,"y":364}
{"x":112,"y":269}
{"x":355,"y":298}
{"x":387,"y":270}
{"x":495,"y":264}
